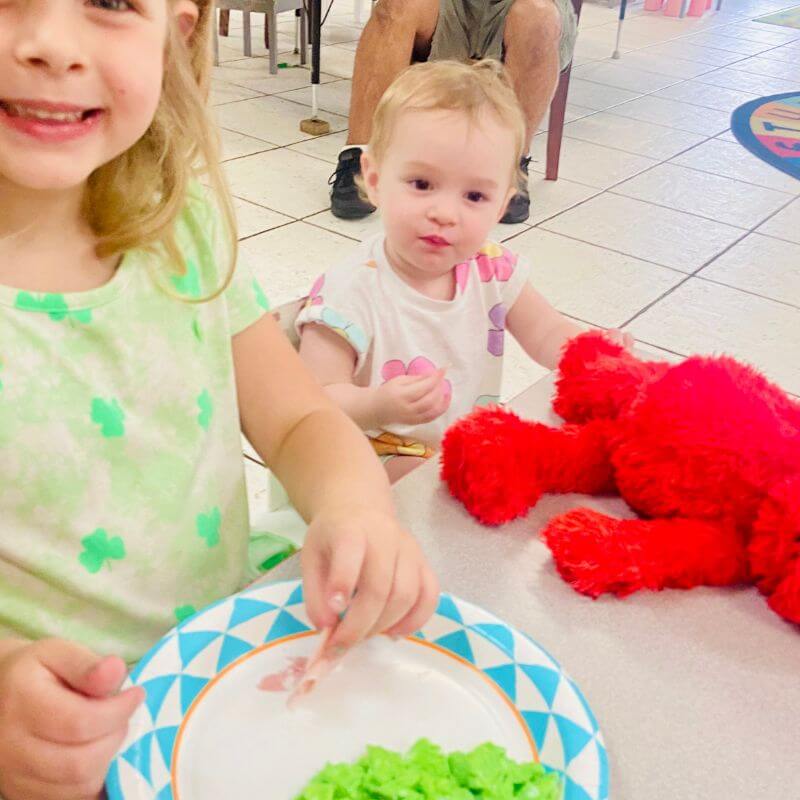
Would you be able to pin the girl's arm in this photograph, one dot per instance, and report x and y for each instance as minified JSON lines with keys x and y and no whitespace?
{"x":354,"y":541}
{"x":539,"y":328}
{"x":542,"y":331}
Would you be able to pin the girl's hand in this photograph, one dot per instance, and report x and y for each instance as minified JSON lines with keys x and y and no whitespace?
{"x":360,"y":560}
{"x":61,"y":720}
{"x":622,"y":338}
{"x":411,"y":399}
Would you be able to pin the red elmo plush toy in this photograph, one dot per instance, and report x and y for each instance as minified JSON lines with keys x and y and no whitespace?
{"x":707,"y":452}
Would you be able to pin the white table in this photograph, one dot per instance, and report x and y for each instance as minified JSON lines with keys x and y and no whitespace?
{"x":697,"y":692}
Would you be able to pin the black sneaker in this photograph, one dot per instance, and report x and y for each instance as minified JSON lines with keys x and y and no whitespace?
{"x":346,"y":202}
{"x":519,"y":207}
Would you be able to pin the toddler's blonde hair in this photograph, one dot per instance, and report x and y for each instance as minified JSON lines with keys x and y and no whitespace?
{"x":135,"y":199}
{"x":471,"y":88}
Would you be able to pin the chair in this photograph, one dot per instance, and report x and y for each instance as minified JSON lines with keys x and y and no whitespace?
{"x":271,"y":9}
{"x":558,"y":109}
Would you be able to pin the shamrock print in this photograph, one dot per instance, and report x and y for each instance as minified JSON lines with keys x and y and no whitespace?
{"x":109,"y":416}
{"x":184,"y":612}
{"x":497,"y":316}
{"x":98,"y":550}
{"x":54,"y":305}
{"x":261,"y":298}
{"x":188,"y":284}
{"x":208,"y":526}
{"x":206,"y":406}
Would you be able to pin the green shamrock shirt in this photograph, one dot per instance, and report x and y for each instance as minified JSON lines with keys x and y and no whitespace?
{"x":123,"y":505}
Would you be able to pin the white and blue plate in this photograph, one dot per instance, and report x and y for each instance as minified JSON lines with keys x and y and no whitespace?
{"x":206,"y":731}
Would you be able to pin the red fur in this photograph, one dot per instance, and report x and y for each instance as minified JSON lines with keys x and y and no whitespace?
{"x":706,"y":451}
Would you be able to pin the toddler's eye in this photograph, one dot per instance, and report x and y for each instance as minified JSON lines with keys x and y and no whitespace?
{"x":421,"y":184}
{"x":112,"y":5}
{"x":475,"y":197}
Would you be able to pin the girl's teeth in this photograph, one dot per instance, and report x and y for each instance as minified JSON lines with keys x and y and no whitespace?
{"x":38,"y":113}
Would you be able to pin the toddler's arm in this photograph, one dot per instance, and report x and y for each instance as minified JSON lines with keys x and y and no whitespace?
{"x":542,"y":331}
{"x":407,"y":400}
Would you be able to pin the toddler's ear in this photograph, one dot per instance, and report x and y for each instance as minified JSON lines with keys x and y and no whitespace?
{"x":186,"y":15}
{"x":369,"y":174}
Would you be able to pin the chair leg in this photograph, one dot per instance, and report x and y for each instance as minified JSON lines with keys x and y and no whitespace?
{"x":248,"y":42}
{"x":303,"y":36}
{"x":266,"y":31}
{"x":272,"y":21}
{"x":555,"y":127}
{"x":224,"y":21}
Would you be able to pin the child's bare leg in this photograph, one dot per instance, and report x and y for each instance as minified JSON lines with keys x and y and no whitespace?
{"x":399,"y":466}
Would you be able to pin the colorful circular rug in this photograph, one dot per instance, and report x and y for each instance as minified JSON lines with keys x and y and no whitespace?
{"x":769,"y":127}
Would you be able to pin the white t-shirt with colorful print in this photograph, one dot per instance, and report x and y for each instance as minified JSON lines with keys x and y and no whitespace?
{"x":123,"y":505}
{"x":395,"y":330}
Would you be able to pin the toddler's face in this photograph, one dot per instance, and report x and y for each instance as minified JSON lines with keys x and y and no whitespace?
{"x":441,"y":186}
{"x":80,"y":81}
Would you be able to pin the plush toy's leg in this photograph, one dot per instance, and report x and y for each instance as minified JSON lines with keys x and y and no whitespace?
{"x":596,"y":553}
{"x":498,"y":465}
{"x":599,"y":379}
{"x":774,"y":549}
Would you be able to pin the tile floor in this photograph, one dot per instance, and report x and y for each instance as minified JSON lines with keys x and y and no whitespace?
{"x":660,"y":223}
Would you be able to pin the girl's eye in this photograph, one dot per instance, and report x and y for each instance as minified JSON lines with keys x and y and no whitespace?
{"x":112,"y":5}
{"x":475,"y":197}
{"x":421,"y":184}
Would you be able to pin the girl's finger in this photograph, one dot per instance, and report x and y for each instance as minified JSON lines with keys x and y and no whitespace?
{"x":422,"y":610}
{"x":404,"y":593}
{"x":425,"y":386}
{"x":372,"y":592}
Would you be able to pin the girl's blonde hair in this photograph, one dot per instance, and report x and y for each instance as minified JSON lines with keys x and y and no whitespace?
{"x":135,"y":199}
{"x":471,"y":88}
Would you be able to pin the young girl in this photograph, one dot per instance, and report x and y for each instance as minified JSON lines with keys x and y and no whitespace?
{"x":129,"y":355}
{"x":407,"y":335}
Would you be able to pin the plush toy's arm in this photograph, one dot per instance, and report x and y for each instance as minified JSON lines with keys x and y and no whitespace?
{"x":774,"y":549}
{"x":498,"y":465}
{"x":596,"y":553}
{"x":599,"y":379}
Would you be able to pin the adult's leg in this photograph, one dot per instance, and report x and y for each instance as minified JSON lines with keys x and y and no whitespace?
{"x":532,"y":38}
{"x":397,"y":33}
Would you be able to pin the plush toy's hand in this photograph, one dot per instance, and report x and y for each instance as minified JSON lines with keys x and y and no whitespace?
{"x":487,"y":465}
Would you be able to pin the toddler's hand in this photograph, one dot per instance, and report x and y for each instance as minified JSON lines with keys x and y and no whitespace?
{"x":411,"y":399}
{"x":361,"y":560}
{"x":61,"y":720}
{"x":622,"y":338}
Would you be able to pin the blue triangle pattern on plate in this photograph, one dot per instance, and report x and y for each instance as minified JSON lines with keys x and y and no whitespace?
{"x":537,"y":722}
{"x":138,"y":755}
{"x":544,"y":679}
{"x":156,"y":690}
{"x":190,"y":644}
{"x":296,"y":597}
{"x":232,"y":648}
{"x":574,"y":791}
{"x":149,"y":656}
{"x":505,"y":676}
{"x":191,"y":686}
{"x":418,"y":635}
{"x":573,"y":737}
{"x":498,"y":634}
{"x":603,"y":792}
{"x":457,"y":643}
{"x":165,"y":793}
{"x":285,"y":625}
{"x":448,"y":608}
{"x":166,"y":742}
{"x":245,"y":609}
{"x":113,"y":788}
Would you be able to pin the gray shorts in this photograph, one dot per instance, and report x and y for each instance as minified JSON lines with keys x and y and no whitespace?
{"x":473,"y":29}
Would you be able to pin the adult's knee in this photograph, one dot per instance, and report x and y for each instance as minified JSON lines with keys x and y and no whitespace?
{"x":390,"y":13}
{"x":539,"y":19}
